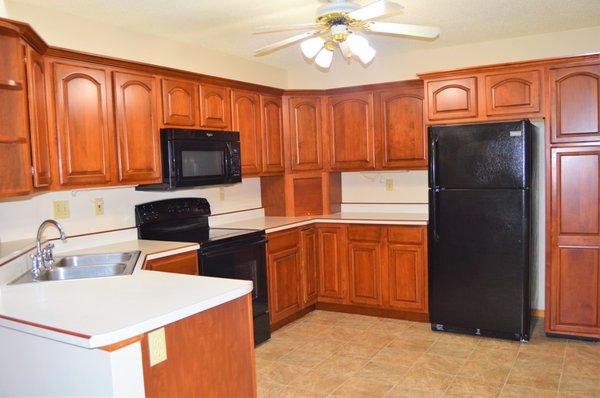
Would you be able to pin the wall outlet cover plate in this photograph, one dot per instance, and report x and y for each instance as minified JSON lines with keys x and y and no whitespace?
{"x":157,"y":346}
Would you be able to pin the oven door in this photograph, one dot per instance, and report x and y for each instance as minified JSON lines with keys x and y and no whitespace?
{"x":195,"y":163}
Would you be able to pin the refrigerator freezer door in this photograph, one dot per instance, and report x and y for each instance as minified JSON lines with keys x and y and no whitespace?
{"x":493,"y":155}
{"x":479,"y":261}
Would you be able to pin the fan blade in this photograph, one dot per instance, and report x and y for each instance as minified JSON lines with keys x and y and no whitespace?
{"x":283,"y":28}
{"x":283,"y":43}
{"x":429,"y":32}
{"x":375,"y":10}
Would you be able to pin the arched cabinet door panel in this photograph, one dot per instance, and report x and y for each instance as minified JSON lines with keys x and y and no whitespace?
{"x":215,"y":107}
{"x":452,"y":98}
{"x":575,"y":103}
{"x":272,"y":134}
{"x":246,"y":118}
{"x":84,"y":132}
{"x":137,"y":128}
{"x":179,"y":102}
{"x":513,"y":93}
{"x":305,"y":133}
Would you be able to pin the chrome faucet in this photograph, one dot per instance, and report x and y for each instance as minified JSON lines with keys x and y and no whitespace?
{"x":43,"y":258}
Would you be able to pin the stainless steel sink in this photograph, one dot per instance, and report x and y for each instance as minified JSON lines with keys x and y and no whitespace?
{"x":85,"y":266}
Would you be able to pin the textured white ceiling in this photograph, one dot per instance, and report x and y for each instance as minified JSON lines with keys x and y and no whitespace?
{"x":227,"y":25}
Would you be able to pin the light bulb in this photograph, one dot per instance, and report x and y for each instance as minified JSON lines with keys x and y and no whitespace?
{"x":324,"y":58}
{"x":311,"y":47}
{"x":366,"y":54}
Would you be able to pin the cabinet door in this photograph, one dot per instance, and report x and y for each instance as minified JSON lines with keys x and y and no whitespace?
{"x":332,"y":263}
{"x":407,"y":283}
{"x":246,"y":119}
{"x":38,"y":119}
{"x":272,"y":134}
{"x":84,"y":132}
{"x":305,"y":133}
{"x":284,"y":283}
{"x":350,"y":128}
{"x":513,"y":93}
{"x":179,"y":102}
{"x":364,"y":269}
{"x":184,"y":263}
{"x":137,"y":128}
{"x":15,"y":157}
{"x":574,"y":273}
{"x":308,"y":245}
{"x":575,"y":103}
{"x":452,"y":98}
{"x":215,"y":107}
{"x":400,"y":129}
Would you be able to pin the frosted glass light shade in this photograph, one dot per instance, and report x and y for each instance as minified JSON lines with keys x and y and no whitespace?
{"x":312,"y":46}
{"x":324,"y":58}
{"x":361,"y":48}
{"x":366,"y":54}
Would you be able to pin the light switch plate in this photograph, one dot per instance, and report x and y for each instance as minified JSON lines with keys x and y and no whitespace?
{"x":98,"y":206}
{"x":157,"y":346}
{"x":389,"y":184}
{"x":61,"y":209}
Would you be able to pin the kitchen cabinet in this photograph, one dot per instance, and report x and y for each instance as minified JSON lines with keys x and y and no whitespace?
{"x":350,"y":130}
{"x":308,"y":247}
{"x":305,"y":135}
{"x":38,"y":119}
{"x":575,"y":103}
{"x":183,"y":263}
{"x":272,"y":134}
{"x":406,"y":261}
{"x":332,"y":263}
{"x":400,"y":128}
{"x":215,"y":107}
{"x":85,"y":134}
{"x":284,"y":274}
{"x":246,"y":118}
{"x":573,"y":273}
{"x":513,"y":93}
{"x":138,"y":135}
{"x":364,"y":264}
{"x":454,"y":98}
{"x":15,"y":156}
{"x":179,"y":103}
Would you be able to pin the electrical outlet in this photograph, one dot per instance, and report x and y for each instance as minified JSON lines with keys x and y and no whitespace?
{"x":98,"y":206}
{"x":389,"y":184}
{"x":221,"y":193}
{"x":61,"y":209}
{"x":157,"y":346}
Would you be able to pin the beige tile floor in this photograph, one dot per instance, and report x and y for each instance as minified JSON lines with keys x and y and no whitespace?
{"x":329,"y":354}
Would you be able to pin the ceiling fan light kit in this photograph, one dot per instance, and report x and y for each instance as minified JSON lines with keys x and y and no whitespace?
{"x":336,"y":26}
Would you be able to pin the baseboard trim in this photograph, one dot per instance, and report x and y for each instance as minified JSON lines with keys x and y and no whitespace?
{"x":281,"y":323}
{"x":380,"y":312}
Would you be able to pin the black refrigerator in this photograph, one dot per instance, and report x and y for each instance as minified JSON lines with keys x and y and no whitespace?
{"x":480,"y":225}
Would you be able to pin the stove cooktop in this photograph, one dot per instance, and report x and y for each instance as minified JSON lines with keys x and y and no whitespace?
{"x":215,"y":234}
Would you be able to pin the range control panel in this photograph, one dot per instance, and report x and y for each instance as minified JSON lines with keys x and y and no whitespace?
{"x":171,"y":209}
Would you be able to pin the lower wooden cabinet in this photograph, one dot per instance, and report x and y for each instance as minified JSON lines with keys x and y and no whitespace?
{"x":332,"y":263}
{"x":308,"y":269}
{"x":184,"y":263}
{"x":364,"y":265}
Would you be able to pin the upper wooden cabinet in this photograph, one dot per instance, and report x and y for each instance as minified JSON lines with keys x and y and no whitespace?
{"x":246,"y":116}
{"x":573,"y":273}
{"x":15,"y":158}
{"x":513,"y":93}
{"x":38,"y":119}
{"x":215,"y":107}
{"x":83,"y":125}
{"x":305,"y":139}
{"x":400,"y":129}
{"x":350,"y":131}
{"x":575,"y":103}
{"x":137,"y":128}
{"x":452,"y":98}
{"x":272,"y":134}
{"x":179,"y":102}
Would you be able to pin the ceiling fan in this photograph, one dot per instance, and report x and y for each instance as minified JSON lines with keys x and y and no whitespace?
{"x":338,"y":24}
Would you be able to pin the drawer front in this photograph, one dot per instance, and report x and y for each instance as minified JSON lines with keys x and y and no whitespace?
{"x":369,"y":233}
{"x":184,"y":263}
{"x":282,"y":240}
{"x":405,"y":234}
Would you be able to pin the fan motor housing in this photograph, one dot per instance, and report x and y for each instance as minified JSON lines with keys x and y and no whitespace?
{"x":337,"y":7}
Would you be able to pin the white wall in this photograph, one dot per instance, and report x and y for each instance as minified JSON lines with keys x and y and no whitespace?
{"x":3,"y":13}
{"x":390,"y":66}
{"x":76,"y":33}
{"x":370,"y":187}
{"x":20,"y":217}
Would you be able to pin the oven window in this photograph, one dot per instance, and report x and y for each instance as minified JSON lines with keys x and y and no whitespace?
{"x":201,"y":163}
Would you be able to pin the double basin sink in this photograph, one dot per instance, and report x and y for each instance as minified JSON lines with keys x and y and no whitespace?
{"x":85,"y":266}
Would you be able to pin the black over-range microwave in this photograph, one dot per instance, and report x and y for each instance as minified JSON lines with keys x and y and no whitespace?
{"x":192,"y":158}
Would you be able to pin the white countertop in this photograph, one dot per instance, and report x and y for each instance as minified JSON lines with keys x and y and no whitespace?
{"x":273,"y":224}
{"x":97,"y":312}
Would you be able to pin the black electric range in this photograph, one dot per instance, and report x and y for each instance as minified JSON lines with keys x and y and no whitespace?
{"x":224,"y":252}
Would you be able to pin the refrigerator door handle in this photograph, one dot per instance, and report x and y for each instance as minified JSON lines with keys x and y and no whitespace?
{"x":434,"y":144}
{"x":434,"y":221}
